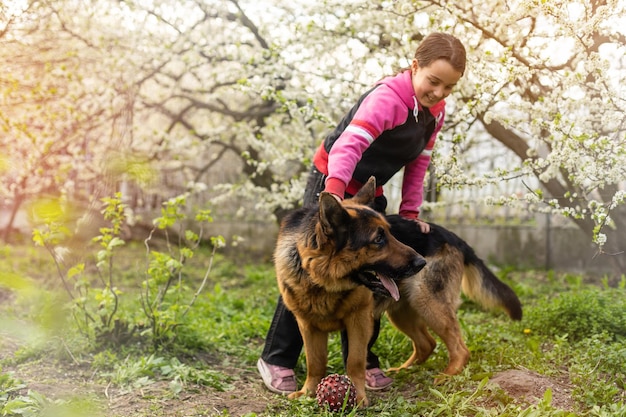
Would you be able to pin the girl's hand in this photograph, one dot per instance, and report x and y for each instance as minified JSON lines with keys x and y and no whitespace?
{"x":336,"y":197}
{"x":424,"y":227}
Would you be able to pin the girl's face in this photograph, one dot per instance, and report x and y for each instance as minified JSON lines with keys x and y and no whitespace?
{"x":433,"y":83}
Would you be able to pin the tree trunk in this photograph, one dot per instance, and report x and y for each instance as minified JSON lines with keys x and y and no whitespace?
{"x":9,"y":226}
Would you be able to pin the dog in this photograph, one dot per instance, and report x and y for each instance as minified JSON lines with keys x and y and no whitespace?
{"x":431,"y":298}
{"x":341,"y":265}
{"x":331,"y":262}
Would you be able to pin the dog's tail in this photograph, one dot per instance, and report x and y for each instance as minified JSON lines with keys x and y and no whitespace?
{"x":481,"y":285}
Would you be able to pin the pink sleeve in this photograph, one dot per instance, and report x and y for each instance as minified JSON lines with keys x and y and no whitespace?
{"x":381,"y":110}
{"x":413,"y":187}
{"x":335,"y":186}
{"x":413,"y":180}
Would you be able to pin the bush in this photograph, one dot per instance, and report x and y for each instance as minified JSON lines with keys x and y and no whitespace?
{"x":96,"y":300}
{"x":582,"y":313}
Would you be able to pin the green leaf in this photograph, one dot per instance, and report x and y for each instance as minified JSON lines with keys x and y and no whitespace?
{"x":547,"y":397}
{"x":191,"y":236}
{"x":76,"y":270}
{"x":115,"y":242}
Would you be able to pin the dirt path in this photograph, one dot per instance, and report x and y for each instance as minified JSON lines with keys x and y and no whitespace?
{"x":247,"y":396}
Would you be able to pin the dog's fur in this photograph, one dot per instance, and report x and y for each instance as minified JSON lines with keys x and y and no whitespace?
{"x":330,"y":262}
{"x":432,"y":297}
{"x":337,"y":265}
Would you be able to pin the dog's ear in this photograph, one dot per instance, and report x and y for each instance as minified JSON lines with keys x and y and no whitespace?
{"x":334,"y":221}
{"x":367,"y":193}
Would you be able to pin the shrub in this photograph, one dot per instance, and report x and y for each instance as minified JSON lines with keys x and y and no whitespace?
{"x":166,"y":296}
{"x":581,"y":313}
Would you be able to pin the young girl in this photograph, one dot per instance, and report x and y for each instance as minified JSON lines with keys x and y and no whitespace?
{"x":392,"y":126}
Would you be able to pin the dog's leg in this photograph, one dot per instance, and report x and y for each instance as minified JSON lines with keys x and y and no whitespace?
{"x":359,"y":331}
{"x":415,"y":319}
{"x":316,"y":351}
{"x":446,"y":325}
{"x":409,"y":322}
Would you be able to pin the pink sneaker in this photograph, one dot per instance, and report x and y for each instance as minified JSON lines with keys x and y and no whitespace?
{"x":376,"y":380}
{"x":276,"y":378}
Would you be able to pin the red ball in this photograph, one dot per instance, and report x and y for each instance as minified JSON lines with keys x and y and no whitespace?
{"x":334,"y":390}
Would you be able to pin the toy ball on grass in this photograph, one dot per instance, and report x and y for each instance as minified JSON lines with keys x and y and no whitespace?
{"x":334,"y":390}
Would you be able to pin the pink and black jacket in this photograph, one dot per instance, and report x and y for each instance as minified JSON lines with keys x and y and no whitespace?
{"x":387,"y":129}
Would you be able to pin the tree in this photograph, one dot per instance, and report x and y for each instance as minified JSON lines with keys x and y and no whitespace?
{"x":59,"y":111}
{"x":546,"y":80}
{"x":237,"y":94}
{"x":548,"y":83}
{"x":221,"y":86}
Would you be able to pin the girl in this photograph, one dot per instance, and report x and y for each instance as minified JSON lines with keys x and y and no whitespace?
{"x":392,"y":126}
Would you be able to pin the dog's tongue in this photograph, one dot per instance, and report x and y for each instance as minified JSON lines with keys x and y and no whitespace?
{"x":390,"y":285}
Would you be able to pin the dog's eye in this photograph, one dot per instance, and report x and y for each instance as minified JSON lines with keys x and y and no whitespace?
{"x":380,"y":238}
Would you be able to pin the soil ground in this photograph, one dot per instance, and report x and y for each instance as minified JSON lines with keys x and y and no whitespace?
{"x":248,"y":395}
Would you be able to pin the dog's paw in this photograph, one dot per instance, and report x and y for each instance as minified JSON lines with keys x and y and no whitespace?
{"x":296,"y":394}
{"x":362,"y":402}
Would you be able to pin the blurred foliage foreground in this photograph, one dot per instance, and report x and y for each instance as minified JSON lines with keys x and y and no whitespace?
{"x":178,"y":313}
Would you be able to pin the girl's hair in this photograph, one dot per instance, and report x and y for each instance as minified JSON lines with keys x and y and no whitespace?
{"x":441,"y":46}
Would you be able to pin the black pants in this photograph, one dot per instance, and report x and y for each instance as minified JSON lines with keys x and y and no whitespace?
{"x":283,"y":342}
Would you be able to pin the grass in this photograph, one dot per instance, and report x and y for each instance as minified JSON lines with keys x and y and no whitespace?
{"x":573,"y":330}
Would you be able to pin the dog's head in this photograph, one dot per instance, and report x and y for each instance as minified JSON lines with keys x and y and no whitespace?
{"x":358,"y":246}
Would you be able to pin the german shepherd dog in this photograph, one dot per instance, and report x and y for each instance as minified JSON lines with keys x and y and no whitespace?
{"x":431,"y":298}
{"x":341,"y":265}
{"x":331,"y":261}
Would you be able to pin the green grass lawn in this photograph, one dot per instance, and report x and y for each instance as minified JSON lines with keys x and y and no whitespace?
{"x":572,"y":339}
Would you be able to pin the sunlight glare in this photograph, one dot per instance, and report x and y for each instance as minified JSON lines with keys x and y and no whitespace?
{"x":12,"y":8}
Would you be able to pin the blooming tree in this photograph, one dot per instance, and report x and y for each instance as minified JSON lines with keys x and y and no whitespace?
{"x":39,"y":114}
{"x":545,"y":79}
{"x":548,"y":82}
{"x":237,"y":94}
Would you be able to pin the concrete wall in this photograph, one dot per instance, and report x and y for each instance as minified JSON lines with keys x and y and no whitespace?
{"x":543,"y":246}
{"x":561,"y":248}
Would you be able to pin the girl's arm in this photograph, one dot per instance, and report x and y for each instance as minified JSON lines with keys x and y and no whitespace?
{"x":413,"y":180}
{"x":413,"y":186}
{"x":381,"y":110}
